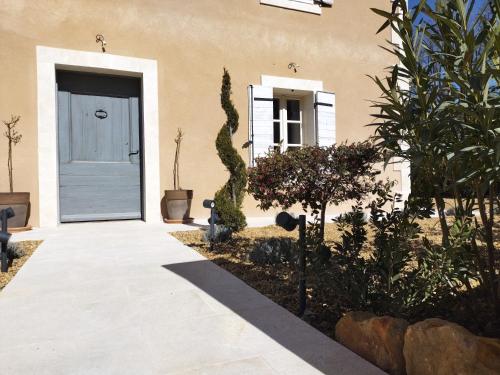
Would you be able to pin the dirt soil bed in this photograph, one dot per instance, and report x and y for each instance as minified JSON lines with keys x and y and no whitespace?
{"x":279,"y":282}
{"x":27,"y":248}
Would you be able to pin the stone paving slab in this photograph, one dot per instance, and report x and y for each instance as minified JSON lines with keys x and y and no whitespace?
{"x":127,"y":298}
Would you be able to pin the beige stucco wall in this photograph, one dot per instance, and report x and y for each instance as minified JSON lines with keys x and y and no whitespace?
{"x":192,"y":41}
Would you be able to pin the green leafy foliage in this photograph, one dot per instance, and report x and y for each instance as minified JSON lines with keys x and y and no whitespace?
{"x":314,"y":177}
{"x":394,"y":274}
{"x":221,"y":234}
{"x":317,"y":251}
{"x":273,"y":251}
{"x":395,"y":229}
{"x":440,"y":111}
{"x":229,"y":199}
{"x":352,"y":275}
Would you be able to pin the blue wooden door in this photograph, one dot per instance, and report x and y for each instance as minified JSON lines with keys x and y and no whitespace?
{"x":99,"y":157}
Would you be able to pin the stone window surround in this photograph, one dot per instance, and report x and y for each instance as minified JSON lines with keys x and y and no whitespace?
{"x":48,"y":61}
{"x":307,"y":6}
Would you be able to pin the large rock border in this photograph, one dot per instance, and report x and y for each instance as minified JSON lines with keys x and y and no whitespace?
{"x":438,"y":347}
{"x":430,"y":347}
{"x":377,"y":339}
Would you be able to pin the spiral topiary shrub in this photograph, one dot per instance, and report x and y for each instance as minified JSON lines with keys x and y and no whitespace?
{"x":229,"y":198}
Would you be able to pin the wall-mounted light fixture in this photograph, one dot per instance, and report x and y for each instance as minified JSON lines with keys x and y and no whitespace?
{"x":293,"y":66}
{"x":99,"y":38}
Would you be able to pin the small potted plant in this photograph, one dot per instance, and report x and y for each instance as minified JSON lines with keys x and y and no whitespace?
{"x":178,"y":201}
{"x":20,"y":202}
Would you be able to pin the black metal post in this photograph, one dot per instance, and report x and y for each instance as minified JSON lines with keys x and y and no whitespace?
{"x":302,"y":265}
{"x":208,"y":203}
{"x":212,"y":227}
{"x":5,"y":215}
{"x":289,"y":223}
{"x":5,"y":261}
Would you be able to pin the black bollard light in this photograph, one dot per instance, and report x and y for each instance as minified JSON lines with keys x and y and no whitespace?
{"x":209,"y":203}
{"x":289,"y":223}
{"x":5,"y":215}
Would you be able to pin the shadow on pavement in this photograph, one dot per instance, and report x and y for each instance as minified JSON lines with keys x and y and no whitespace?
{"x":283,"y":327}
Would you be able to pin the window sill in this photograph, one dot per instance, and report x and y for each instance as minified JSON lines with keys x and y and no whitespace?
{"x":295,"y":5}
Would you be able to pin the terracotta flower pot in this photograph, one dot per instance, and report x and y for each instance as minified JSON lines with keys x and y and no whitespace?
{"x":20,"y":203}
{"x":178,"y":204}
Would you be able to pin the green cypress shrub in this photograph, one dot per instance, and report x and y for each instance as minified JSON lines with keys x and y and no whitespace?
{"x":229,"y":199}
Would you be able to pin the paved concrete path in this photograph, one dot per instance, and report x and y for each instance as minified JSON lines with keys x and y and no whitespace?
{"x":127,"y":298}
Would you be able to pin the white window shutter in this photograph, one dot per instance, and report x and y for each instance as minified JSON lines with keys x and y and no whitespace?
{"x":325,"y":118}
{"x":260,"y":101}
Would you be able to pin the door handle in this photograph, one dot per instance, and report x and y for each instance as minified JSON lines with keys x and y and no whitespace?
{"x":101,"y":114}
{"x":133,"y":153}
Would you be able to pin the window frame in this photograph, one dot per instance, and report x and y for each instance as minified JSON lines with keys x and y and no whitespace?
{"x":284,"y":121}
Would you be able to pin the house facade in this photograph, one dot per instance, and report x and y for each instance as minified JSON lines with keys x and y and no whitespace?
{"x":103,"y":86}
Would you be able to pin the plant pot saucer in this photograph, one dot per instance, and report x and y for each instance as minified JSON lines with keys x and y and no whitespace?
{"x":181,"y":221}
{"x":19,"y":229}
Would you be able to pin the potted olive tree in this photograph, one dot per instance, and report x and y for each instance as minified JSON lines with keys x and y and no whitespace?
{"x":178,"y":200}
{"x":20,"y":202}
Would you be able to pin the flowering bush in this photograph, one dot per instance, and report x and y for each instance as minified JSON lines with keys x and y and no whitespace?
{"x":314,"y":177}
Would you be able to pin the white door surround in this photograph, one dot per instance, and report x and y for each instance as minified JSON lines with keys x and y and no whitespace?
{"x":48,"y":61}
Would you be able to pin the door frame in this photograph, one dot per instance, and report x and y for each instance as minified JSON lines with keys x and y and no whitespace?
{"x":84,"y":83}
{"x":51,"y":59}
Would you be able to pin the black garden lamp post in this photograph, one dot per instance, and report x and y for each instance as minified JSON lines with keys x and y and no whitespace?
{"x":209,"y":203}
{"x":289,"y":223}
{"x":5,"y":215}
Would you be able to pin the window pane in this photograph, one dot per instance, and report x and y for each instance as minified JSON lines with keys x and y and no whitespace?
{"x":276,"y":132}
{"x":276,"y":109}
{"x":293,"y":110}
{"x":294,"y":133}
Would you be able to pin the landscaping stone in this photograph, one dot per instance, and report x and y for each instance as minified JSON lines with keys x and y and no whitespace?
{"x":378,"y":339}
{"x":438,"y":347}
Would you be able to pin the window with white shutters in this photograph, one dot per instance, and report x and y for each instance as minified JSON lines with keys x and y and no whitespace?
{"x":260,"y":102}
{"x":280,"y":118}
{"x":325,"y":118}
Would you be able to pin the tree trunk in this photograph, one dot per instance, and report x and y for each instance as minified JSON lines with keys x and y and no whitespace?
{"x":322,"y":223}
{"x":442,"y":220}
{"x":490,"y":245}
{"x":176,"y":164}
{"x":459,"y":203}
{"x":480,"y":263}
{"x":9,"y":165}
